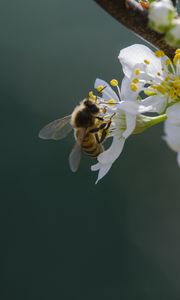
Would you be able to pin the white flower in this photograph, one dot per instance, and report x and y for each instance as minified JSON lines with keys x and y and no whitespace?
{"x":123,"y":122}
{"x":173,"y":35}
{"x":172,"y":129}
{"x":161,"y":15}
{"x":154,"y":73}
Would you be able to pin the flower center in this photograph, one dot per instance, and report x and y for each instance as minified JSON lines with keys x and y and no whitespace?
{"x":165,"y":82}
{"x":169,"y":86}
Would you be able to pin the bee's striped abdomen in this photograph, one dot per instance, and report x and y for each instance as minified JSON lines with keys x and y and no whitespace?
{"x":90,"y":145}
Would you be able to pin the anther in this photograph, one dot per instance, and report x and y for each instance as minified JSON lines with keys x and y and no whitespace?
{"x":159,"y":53}
{"x":100,"y":88}
{"x":134,"y":87}
{"x":114,"y":82}
{"x":147,"y":62}
{"x":137,"y":71}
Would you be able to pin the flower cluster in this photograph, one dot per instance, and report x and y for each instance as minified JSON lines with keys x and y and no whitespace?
{"x":163,"y":19}
{"x":151,"y":85}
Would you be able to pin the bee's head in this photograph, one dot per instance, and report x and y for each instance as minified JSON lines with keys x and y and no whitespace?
{"x":91,"y":106}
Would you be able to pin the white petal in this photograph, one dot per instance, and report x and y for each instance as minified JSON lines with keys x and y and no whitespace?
{"x":134,"y":54}
{"x":103,"y":170}
{"x":178,"y":159}
{"x":108,"y":92}
{"x":110,"y":155}
{"x":130,"y":125}
{"x":172,"y":136}
{"x":126,"y":92}
{"x":129,"y":107}
{"x":95,"y":167}
{"x":173,"y":114}
{"x":133,"y":108}
{"x":158,"y":103}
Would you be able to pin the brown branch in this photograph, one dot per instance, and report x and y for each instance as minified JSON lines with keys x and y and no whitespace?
{"x":133,"y":16}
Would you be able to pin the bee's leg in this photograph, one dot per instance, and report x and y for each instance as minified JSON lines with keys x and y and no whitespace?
{"x":104,"y":132}
{"x":96,"y":129}
{"x":105,"y":129}
{"x":100,"y":118}
{"x":97,"y":138}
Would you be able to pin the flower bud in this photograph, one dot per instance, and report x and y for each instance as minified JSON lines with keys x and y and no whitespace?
{"x":161,"y":15}
{"x":173,"y":35}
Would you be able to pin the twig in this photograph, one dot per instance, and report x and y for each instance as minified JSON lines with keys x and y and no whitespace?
{"x":133,"y":16}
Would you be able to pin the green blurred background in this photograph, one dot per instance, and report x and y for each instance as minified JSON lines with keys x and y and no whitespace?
{"x":62,"y":236}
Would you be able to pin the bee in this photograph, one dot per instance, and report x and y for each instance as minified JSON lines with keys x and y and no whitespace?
{"x":90,"y":130}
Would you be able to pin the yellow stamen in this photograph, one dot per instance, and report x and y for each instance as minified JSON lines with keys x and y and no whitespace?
{"x":159,"y":53}
{"x":178,"y":91}
{"x":114,"y":82}
{"x":160,"y":89}
{"x":134,"y":87}
{"x":100,"y":88}
{"x":137,"y":71}
{"x":111,"y":102}
{"x":92,"y":96}
{"x":171,"y":93}
{"x":135,"y":80}
{"x":176,"y":83}
{"x":177,"y":51}
{"x":176,"y":58}
{"x":168,"y":62}
{"x":147,"y":62}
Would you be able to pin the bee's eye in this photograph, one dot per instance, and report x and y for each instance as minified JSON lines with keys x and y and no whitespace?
{"x":94,"y":109}
{"x":91,"y":106}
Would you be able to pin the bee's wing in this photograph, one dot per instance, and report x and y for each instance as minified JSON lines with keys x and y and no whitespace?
{"x":57,"y":129}
{"x":75,"y":155}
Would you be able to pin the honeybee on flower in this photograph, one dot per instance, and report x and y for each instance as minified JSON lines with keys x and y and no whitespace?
{"x":151,"y":85}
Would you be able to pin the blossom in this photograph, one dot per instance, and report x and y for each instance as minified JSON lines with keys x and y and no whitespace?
{"x":173,"y":35}
{"x":125,"y":113}
{"x":172,"y":129}
{"x":156,"y":75}
{"x":161,"y":15}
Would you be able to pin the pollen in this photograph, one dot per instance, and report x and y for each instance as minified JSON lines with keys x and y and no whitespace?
{"x":172,"y":93}
{"x":168,"y":62}
{"x":103,"y":110}
{"x":176,"y":58}
{"x":134,"y":87}
{"x":135,"y":80}
{"x":100,"y":88}
{"x":114,"y":82}
{"x":111,"y":102}
{"x":160,"y":89}
{"x":92,"y":96}
{"x":147,"y":62}
{"x":176,"y":83}
{"x":159,"y":53}
{"x":137,"y":71}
